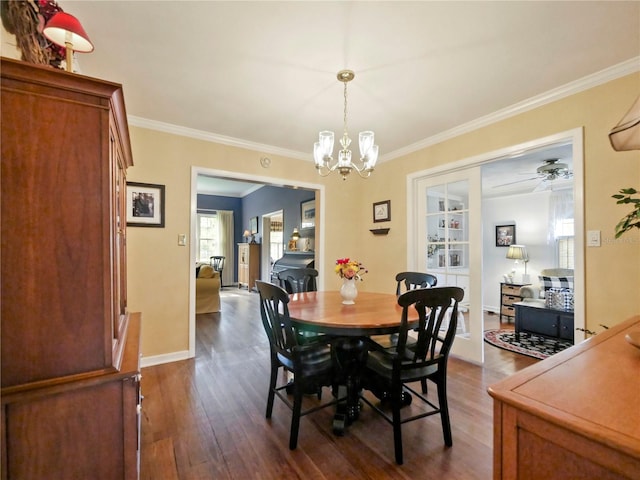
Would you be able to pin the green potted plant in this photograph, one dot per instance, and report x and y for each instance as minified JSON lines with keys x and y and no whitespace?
{"x":632,"y":219}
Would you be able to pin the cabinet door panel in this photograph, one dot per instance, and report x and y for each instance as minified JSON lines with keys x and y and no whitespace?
{"x":536,"y":320}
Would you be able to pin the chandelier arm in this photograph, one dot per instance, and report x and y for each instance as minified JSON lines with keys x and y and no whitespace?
{"x":362,"y":170}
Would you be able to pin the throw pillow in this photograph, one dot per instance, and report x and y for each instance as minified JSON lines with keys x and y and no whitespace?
{"x":559,"y":299}
{"x":555,"y":282}
{"x":206,"y":271}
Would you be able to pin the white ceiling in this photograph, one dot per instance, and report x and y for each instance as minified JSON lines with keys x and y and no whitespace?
{"x":263,"y":74}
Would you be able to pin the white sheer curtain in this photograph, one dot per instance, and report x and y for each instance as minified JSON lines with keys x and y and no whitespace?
{"x":560,"y":214}
{"x":225,"y":236}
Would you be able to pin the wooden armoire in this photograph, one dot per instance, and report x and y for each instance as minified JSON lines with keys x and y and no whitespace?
{"x":70,"y":367}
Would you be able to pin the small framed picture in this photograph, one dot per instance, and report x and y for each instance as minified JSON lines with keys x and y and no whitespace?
{"x":254,"y":225}
{"x":308,"y":214}
{"x":145,"y":205}
{"x":382,"y":211}
{"x":505,"y":235}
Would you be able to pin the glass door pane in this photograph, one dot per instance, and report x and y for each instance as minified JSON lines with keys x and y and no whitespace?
{"x":450,"y":245}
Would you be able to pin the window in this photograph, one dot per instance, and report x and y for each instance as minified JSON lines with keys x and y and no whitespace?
{"x":565,"y":243}
{"x":276,"y":248}
{"x":207,"y":236}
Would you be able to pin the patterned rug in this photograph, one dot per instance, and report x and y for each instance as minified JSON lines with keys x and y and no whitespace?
{"x":529,"y":344}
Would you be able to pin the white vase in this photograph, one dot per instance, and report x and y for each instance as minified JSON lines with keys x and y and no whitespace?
{"x":348,"y":291}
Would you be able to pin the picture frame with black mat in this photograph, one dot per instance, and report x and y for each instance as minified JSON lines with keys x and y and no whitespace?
{"x":145,"y":205}
{"x":505,"y":235}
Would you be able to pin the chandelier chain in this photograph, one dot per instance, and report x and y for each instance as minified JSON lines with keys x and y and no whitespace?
{"x":345,"y":108}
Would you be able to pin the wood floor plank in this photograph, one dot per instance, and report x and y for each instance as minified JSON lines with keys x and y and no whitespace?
{"x":203,"y":418}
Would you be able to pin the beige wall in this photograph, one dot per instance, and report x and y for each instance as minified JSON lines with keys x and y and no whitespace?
{"x":159,"y":269}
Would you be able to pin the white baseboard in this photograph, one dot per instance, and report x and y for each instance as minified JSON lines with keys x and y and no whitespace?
{"x":164,"y":358}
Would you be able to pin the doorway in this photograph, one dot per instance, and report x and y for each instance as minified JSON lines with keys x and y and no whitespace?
{"x":418,"y":245}
{"x":272,"y":242}
{"x":259,"y":181}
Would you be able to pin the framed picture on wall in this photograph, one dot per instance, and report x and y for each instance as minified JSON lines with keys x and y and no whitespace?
{"x":382,"y":211}
{"x":254,"y":225}
{"x":145,"y":205}
{"x":308,"y":214}
{"x":505,"y":235}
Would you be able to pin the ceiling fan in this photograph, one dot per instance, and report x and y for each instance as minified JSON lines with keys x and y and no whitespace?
{"x":549,"y":171}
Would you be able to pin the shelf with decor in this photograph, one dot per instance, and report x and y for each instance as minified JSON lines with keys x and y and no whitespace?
{"x":447,"y":233}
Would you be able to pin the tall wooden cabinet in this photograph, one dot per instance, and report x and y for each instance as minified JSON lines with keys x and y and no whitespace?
{"x":70,"y":350}
{"x":248,"y":264}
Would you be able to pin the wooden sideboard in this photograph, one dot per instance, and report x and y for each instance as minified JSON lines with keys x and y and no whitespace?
{"x":70,"y":349}
{"x":573,"y":415}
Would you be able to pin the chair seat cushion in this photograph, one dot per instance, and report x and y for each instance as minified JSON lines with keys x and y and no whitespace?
{"x":315,"y":361}
{"x":382,"y":364}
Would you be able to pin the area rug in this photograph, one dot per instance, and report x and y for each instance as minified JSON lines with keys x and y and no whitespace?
{"x":529,"y":344}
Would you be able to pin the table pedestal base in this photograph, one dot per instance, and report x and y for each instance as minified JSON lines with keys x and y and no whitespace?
{"x":350,"y":356}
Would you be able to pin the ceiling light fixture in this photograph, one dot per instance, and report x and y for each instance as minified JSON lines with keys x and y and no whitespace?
{"x":323,"y":148}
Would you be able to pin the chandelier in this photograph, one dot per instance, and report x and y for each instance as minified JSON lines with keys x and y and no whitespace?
{"x":323,"y":148}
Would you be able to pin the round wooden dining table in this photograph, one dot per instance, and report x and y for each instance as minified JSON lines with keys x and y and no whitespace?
{"x":372,"y":313}
{"x":324,"y":312}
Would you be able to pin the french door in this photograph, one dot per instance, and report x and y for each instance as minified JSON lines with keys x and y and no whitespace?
{"x":448,"y":233}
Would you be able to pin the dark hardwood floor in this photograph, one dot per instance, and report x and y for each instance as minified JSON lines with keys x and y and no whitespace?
{"x":203,"y":418}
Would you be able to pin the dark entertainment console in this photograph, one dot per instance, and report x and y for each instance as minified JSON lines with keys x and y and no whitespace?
{"x":533,"y":317}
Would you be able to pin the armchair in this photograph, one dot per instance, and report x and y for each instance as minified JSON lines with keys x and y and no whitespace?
{"x":207,"y":290}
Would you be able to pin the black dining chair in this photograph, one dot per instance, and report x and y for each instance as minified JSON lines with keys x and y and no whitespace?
{"x":217,"y":262}
{"x":310,"y":363}
{"x":298,"y":280}
{"x":389,"y":370}
{"x":411,"y":280}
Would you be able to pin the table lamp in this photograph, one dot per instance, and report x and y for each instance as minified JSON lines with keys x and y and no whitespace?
{"x":519,"y":252}
{"x":65,"y":30}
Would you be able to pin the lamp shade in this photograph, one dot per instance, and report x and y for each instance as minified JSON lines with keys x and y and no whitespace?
{"x":626,"y":134}
{"x":517,"y":252}
{"x":63,"y":29}
{"x":246,"y":233}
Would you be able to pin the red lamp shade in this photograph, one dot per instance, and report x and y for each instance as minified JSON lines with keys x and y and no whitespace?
{"x":64,"y":29}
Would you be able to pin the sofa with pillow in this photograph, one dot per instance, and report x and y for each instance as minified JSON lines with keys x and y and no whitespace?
{"x":552,"y":280}
{"x":207,"y":289}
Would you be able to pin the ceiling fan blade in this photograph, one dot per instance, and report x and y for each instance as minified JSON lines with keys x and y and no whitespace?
{"x":543,"y":185}
{"x":517,"y":181}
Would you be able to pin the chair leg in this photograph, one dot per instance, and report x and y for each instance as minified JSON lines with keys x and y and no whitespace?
{"x":272,"y":387}
{"x":423,"y":382}
{"x":397,"y":426}
{"x":295,"y":417}
{"x":444,"y":411}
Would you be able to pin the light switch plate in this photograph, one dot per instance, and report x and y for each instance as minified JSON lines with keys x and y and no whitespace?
{"x":593,"y":238}
{"x":182,"y":239}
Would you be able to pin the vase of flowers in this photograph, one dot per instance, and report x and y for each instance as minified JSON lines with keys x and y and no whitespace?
{"x":350,"y":271}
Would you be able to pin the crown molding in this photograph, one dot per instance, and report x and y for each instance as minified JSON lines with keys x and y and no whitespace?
{"x":603,"y":76}
{"x":214,"y":138}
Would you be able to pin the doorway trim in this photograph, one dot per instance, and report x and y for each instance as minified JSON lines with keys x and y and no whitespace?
{"x":277,"y":182}
{"x":573,"y":136}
